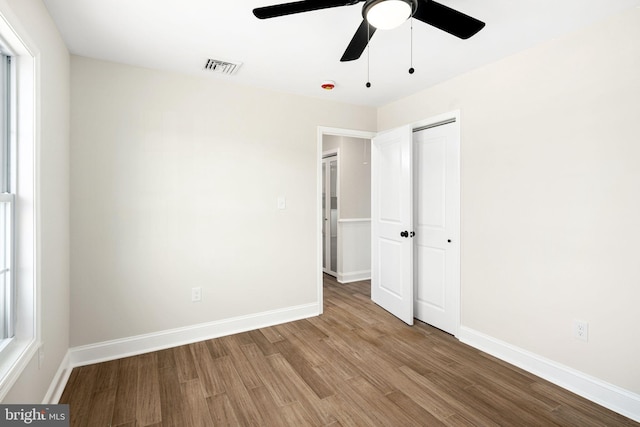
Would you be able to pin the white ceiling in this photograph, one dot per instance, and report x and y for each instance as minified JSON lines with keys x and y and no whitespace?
{"x":296,"y":53}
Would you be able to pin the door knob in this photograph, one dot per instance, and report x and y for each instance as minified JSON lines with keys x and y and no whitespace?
{"x":413,"y":233}
{"x":404,"y":234}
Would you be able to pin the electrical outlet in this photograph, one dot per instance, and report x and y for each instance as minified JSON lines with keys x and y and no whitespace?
{"x":196,"y":294}
{"x":581,"y":330}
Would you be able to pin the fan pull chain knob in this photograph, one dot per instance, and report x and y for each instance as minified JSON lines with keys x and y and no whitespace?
{"x":368,"y":84}
{"x":411,"y":70}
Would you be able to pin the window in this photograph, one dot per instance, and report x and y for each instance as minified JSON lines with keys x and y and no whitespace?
{"x":7,"y":202}
{"x":19,"y":329}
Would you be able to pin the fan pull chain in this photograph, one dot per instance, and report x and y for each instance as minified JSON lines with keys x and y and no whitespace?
{"x":411,"y":69}
{"x":368,"y":40}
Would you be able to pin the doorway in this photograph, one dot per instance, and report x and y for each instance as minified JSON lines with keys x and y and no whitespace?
{"x":351,"y":226}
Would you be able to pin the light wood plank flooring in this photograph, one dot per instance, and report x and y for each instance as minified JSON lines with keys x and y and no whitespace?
{"x":356,"y":365}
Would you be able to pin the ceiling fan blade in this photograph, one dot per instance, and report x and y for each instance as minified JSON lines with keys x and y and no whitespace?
{"x":298,"y":7}
{"x":447,"y":19}
{"x":358,"y":42}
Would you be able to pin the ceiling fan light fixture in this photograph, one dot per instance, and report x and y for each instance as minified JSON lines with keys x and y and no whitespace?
{"x":388,"y":14}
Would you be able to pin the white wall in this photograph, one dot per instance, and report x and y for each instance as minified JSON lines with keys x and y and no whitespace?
{"x":174,"y":184}
{"x":31,"y":20}
{"x":550,"y":196}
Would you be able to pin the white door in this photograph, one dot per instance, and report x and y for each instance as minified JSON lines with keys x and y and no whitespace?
{"x":436,"y":153}
{"x":391,"y":223}
{"x":330,"y":215}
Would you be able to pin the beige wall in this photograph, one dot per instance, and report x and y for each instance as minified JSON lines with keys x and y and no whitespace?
{"x":355,"y":178}
{"x":174,"y":184}
{"x":31,"y":20}
{"x":331,"y":142}
{"x":550,"y":196}
{"x":355,"y":174}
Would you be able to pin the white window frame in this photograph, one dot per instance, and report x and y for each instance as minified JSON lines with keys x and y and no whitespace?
{"x":21,"y":349}
{"x":7,"y":202}
{"x":7,"y":268}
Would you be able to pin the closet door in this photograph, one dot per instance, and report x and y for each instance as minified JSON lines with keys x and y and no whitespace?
{"x":416,"y":254}
{"x":436,"y":155}
{"x":391,"y":223}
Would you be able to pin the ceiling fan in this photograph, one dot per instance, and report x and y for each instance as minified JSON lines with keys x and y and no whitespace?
{"x":383,"y":14}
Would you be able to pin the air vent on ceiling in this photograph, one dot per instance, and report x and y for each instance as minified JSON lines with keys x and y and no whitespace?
{"x":222,"y":67}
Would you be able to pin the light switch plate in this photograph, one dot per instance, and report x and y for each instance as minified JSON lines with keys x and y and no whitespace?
{"x":282,"y":202}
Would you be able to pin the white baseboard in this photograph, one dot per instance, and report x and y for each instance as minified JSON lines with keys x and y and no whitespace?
{"x":59,"y":382}
{"x":608,"y":395}
{"x":131,"y":346}
{"x":354,"y":276}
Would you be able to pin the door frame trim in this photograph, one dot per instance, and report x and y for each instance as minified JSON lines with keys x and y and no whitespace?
{"x":322,"y":131}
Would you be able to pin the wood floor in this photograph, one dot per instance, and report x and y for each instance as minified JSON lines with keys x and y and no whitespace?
{"x":356,"y":365}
